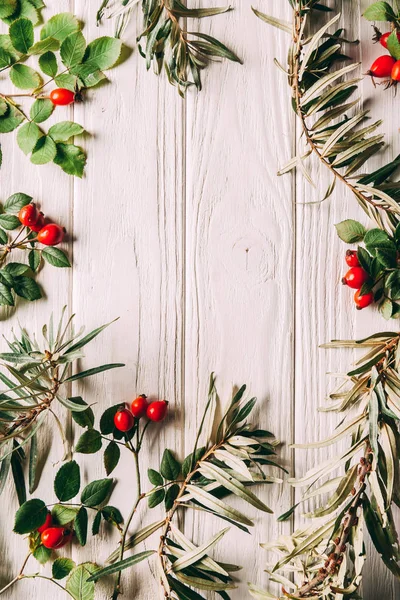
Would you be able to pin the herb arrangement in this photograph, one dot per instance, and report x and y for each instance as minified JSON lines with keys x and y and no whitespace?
{"x":386,"y":66}
{"x":34,"y":237}
{"x":65,"y":60}
{"x":35,"y":377}
{"x":182,"y":54}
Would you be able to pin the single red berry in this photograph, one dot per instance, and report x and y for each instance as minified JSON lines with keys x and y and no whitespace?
{"x":355,"y":277}
{"x":364,"y":300}
{"x":62,"y":97}
{"x":382,"y":66}
{"x":384,"y":38}
{"x":67,"y":537}
{"x":156,"y":411}
{"x":46,"y":524}
{"x":139,"y":406}
{"x":52,"y":537}
{"x":28,"y":215}
{"x":51,"y":235}
{"x":352,"y":258}
{"x":39,"y":223}
{"x":395,"y":74}
{"x":124,"y":420}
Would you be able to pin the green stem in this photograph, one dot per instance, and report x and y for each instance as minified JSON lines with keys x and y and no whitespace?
{"x":37,"y":576}
{"x":18,"y":577}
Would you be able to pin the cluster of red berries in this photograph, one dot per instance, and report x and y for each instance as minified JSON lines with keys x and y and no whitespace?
{"x":385,"y":66}
{"x":124,"y":418}
{"x":62,"y":97}
{"x":355,"y":278}
{"x":49,"y":234}
{"x":54,"y":537}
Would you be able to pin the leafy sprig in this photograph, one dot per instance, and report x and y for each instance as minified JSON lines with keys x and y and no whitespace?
{"x":35,"y":376}
{"x":17,"y":278}
{"x":64,"y":57}
{"x":183,"y":54}
{"x":327,"y":557}
{"x":229,"y":463}
{"x":342,"y":143}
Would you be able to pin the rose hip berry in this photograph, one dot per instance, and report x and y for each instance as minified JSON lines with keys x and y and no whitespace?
{"x":355,"y":278}
{"x":62,"y":97}
{"x":51,"y":235}
{"x":39,"y":223}
{"x":28,"y":215}
{"x":46,"y":524}
{"x":395,"y":74}
{"x":364,"y":300}
{"x":157,"y":411}
{"x":124,"y":420}
{"x":382,"y":66}
{"x":139,"y":406}
{"x":384,"y":38}
{"x":352,"y":258}
{"x":52,"y":537}
{"x":66,"y":538}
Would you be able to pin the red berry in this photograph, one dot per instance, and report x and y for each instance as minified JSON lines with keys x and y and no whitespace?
{"x":52,"y":537}
{"x":352,"y":258}
{"x":395,"y":74}
{"x":124,"y":420}
{"x":157,"y":411}
{"x":139,"y":406}
{"x":39,"y":223}
{"x":384,"y":38}
{"x":66,"y":538}
{"x":355,"y":277}
{"x":364,"y":300}
{"x":382,"y":66}
{"x":28,"y":215}
{"x":46,"y":524}
{"x":51,"y":235}
{"x":62,"y":97}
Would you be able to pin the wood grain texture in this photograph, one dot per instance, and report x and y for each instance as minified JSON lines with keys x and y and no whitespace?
{"x":181,"y":228}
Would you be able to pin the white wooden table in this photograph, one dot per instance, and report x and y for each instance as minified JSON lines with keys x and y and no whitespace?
{"x":181,"y":227}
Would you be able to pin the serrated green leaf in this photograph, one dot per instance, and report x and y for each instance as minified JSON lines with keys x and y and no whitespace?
{"x":21,"y":35}
{"x":63,"y":514}
{"x":60,"y":26}
{"x":6,"y":297}
{"x":63,"y":131}
{"x":155,"y":477}
{"x":30,"y":516}
{"x":81,"y":525}
{"x":156,"y":498}
{"x":84,"y":418}
{"x":73,"y":49}
{"x":71,"y":159}
{"x":44,"y":152}
{"x":96,"y":493}
{"x":27,"y":136}
{"x":48,"y":64}
{"x":27,"y":288}
{"x":102,"y":53}
{"x":112,"y":455}
{"x":7,"y":8}
{"x":56,"y":257}
{"x":61,"y":567}
{"x":78,"y":584}
{"x":67,"y":481}
{"x":379,"y":11}
{"x":45,"y":46}
{"x":15,"y":202}
{"x":89,"y":442}
{"x":41,"y":110}
{"x":170,"y":467}
{"x":10,"y":120}
{"x":24,"y":77}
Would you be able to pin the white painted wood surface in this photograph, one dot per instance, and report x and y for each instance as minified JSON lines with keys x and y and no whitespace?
{"x":181,"y":227}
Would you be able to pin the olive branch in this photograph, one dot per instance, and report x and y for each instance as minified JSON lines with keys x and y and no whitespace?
{"x":320,"y":97}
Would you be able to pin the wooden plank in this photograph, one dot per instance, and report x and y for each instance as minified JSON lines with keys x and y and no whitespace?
{"x":239,"y":244}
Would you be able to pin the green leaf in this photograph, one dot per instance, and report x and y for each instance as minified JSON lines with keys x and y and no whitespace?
{"x":71,"y":159}
{"x":3,"y":237}
{"x":170,"y":467}
{"x":379,"y":11}
{"x":78,"y":584}
{"x":89,"y":442}
{"x":21,"y":35}
{"x":44,"y":46}
{"x":198,"y":552}
{"x":25,"y":9}
{"x":44,"y":151}
{"x":56,"y":257}
{"x":60,"y":26}
{"x":30,"y":516}
{"x":6,"y":297}
{"x":34,"y":258}
{"x":5,"y":61}
{"x":48,"y":64}
{"x":11,"y":120}
{"x":61,"y":567}
{"x":67,"y":81}
{"x":24,"y":77}
{"x":96,"y":492}
{"x":96,"y":523}
{"x":112,"y":515}
{"x":107,"y":419}
{"x":350,"y":231}
{"x":171,"y":496}
{"x":386,"y":308}
{"x":73,"y":49}
{"x":84,"y":418}
{"x":377,"y":238}
{"x":122,"y":564}
{"x":7,"y":8}
{"x":111,"y":457}
{"x":283,"y":25}
{"x":27,"y":288}
{"x":81,"y":525}
{"x":18,"y":475}
{"x":27,"y":137}
{"x":63,"y":514}
{"x":387,"y":257}
{"x":102,"y":53}
{"x":94,"y":371}
{"x":42,"y":554}
{"x":3,"y":107}
{"x":63,"y":131}
{"x":41,"y":110}
{"x":14,"y":203}
{"x":16,"y":269}
{"x":155,"y":477}
{"x":67,"y":481}
{"x":9,"y":222}
{"x":33,"y":461}
{"x":156,"y":498}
